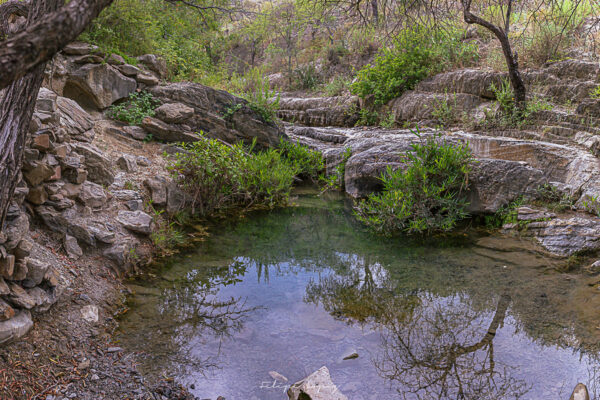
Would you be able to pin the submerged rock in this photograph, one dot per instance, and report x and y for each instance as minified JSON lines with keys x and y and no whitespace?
{"x":316,"y":386}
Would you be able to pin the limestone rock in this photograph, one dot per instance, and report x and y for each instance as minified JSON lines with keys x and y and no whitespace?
{"x":115,"y":59}
{"x":92,"y":195}
{"x":316,"y":386}
{"x":127,"y":163}
{"x":43,"y":299}
{"x":174,"y":113}
{"x":99,"y":167}
{"x":36,"y":271}
{"x":155,"y":64}
{"x":210,"y":106}
{"x":19,"y":297}
{"x":136,"y":221}
{"x":320,"y":111}
{"x":419,"y":106}
{"x":98,"y":85}
{"x":15,"y":327}
{"x":72,"y":247}
{"x":135,"y":132}
{"x":158,"y":190}
{"x":73,"y":118}
{"x":79,"y":48}
{"x":168,"y":133}
{"x":147,"y":79}
{"x":6,"y":311}
{"x":128,"y":70}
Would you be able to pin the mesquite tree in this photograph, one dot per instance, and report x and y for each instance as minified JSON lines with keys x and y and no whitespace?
{"x":501,"y":33}
{"x":48,"y":26}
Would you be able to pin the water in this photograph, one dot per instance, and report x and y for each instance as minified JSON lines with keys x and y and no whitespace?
{"x":471,"y":316}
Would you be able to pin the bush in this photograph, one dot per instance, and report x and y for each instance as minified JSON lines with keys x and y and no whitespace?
{"x":509,"y":115}
{"x":338,"y":86}
{"x":133,"y":110}
{"x":418,"y":52}
{"x":427,"y":195}
{"x":218,"y":176}
{"x":307,"y":77}
{"x":309,"y":163}
{"x":264,"y":102}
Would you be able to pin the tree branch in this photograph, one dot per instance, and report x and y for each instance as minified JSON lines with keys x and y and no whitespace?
{"x":40,"y":41}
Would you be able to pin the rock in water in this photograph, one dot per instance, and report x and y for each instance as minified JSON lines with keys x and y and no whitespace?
{"x":580,"y":393}
{"x":316,"y":386}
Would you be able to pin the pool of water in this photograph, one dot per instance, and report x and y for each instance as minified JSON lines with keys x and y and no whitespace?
{"x":471,"y":316}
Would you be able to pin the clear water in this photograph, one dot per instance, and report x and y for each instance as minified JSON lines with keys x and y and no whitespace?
{"x":471,"y":316}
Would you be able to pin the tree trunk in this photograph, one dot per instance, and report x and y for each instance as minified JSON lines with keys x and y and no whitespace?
{"x":512,"y":62}
{"x":375,"y":11}
{"x":23,"y":59}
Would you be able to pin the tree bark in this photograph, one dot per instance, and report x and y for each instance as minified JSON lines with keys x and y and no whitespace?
{"x":23,"y":59}
{"x":375,"y":11}
{"x":512,"y":62}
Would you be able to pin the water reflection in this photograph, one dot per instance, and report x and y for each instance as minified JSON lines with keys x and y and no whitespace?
{"x":472,"y":317}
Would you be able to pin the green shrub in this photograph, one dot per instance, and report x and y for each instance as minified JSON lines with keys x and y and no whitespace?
{"x":509,"y":115}
{"x":552,"y":198}
{"x":418,"y":52}
{"x":306,"y":77}
{"x":427,"y":194}
{"x":264,"y":101}
{"x":338,"y":86}
{"x":308,"y":162}
{"x":133,"y":110}
{"x":218,"y":176}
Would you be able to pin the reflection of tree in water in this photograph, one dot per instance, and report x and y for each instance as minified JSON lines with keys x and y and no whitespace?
{"x":438,"y":351}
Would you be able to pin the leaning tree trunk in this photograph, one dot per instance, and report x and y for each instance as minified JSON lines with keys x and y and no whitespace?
{"x":501,"y":34}
{"x":23,"y":58}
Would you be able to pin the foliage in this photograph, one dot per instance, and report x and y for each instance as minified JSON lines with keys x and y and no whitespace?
{"x":443,"y":111}
{"x":338,"y":86}
{"x":336,"y":179}
{"x":388,"y":120}
{"x":417,"y":52}
{"x":309,"y":163}
{"x":551,"y":197}
{"x":166,"y":235}
{"x":264,"y":102}
{"x":218,"y":176}
{"x":367,"y":117}
{"x":133,"y":110}
{"x":507,"y":214}
{"x":592,"y":205}
{"x":595,"y":93}
{"x":509,"y":115}
{"x":307,"y":77}
{"x":231,"y":110}
{"x":425,"y":195}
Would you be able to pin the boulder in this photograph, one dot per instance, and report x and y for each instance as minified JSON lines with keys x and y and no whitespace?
{"x":135,"y":132}
{"x":36,"y":271}
{"x":67,"y":221}
{"x":136,"y":221}
{"x":127,"y":163}
{"x":158,"y":190}
{"x":115,"y":59}
{"x":16,"y":230}
{"x":15,"y":327}
{"x":470,"y":81}
{"x":174,"y":113}
{"x":128,"y":70}
{"x":38,"y":173}
{"x":211,"y":107}
{"x":419,"y":106}
{"x":316,"y":386}
{"x":320,"y":111}
{"x":154,"y":64}
{"x":37,"y":195}
{"x":97,"y":85}
{"x":79,"y":48}
{"x":46,"y":101}
{"x":166,"y":132}
{"x":92,"y":195}
{"x":19,"y":297}
{"x":43,"y":299}
{"x":147,"y":79}
{"x":99,"y":167}
{"x":74,"y":119}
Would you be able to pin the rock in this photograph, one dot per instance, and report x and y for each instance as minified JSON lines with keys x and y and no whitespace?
{"x":87,"y":59}
{"x":98,"y":85}
{"x":92,"y":195}
{"x":174,"y":113}
{"x":210,"y":106}
{"x":23,"y":249}
{"x":43,"y":300}
{"x":119,"y":254}
{"x":79,"y":48}
{"x":90,"y":313}
{"x":128,"y":70}
{"x":20,"y":271}
{"x":316,"y":386}
{"x":350,"y":355}
{"x":155,"y":64}
{"x":127,"y":163}
{"x":134,"y":205}
{"x":419,"y":106}
{"x":470,"y":81}
{"x":73,"y":118}
{"x":67,"y":221}
{"x":115,"y":59}
{"x":7,"y":266}
{"x":16,"y":230}
{"x":72,"y":247}
{"x":143,"y":161}
{"x":168,"y":133}
{"x":125,"y":195}
{"x":15,"y":327}
{"x":136,"y":132}
{"x":83,"y":365}
{"x":19,"y":297}
{"x":320,"y":111}
{"x":36,"y":271}
{"x":147,"y":79}
{"x":580,"y":393}
{"x":37,"y":195}
{"x":6,"y":311}
{"x":4,"y":289}
{"x":175,"y":198}
{"x":46,"y":101}
{"x":158,"y":190}
{"x":136,"y":221}
{"x":38,"y":173}
{"x":102,"y":235}
{"x":99,"y":167}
